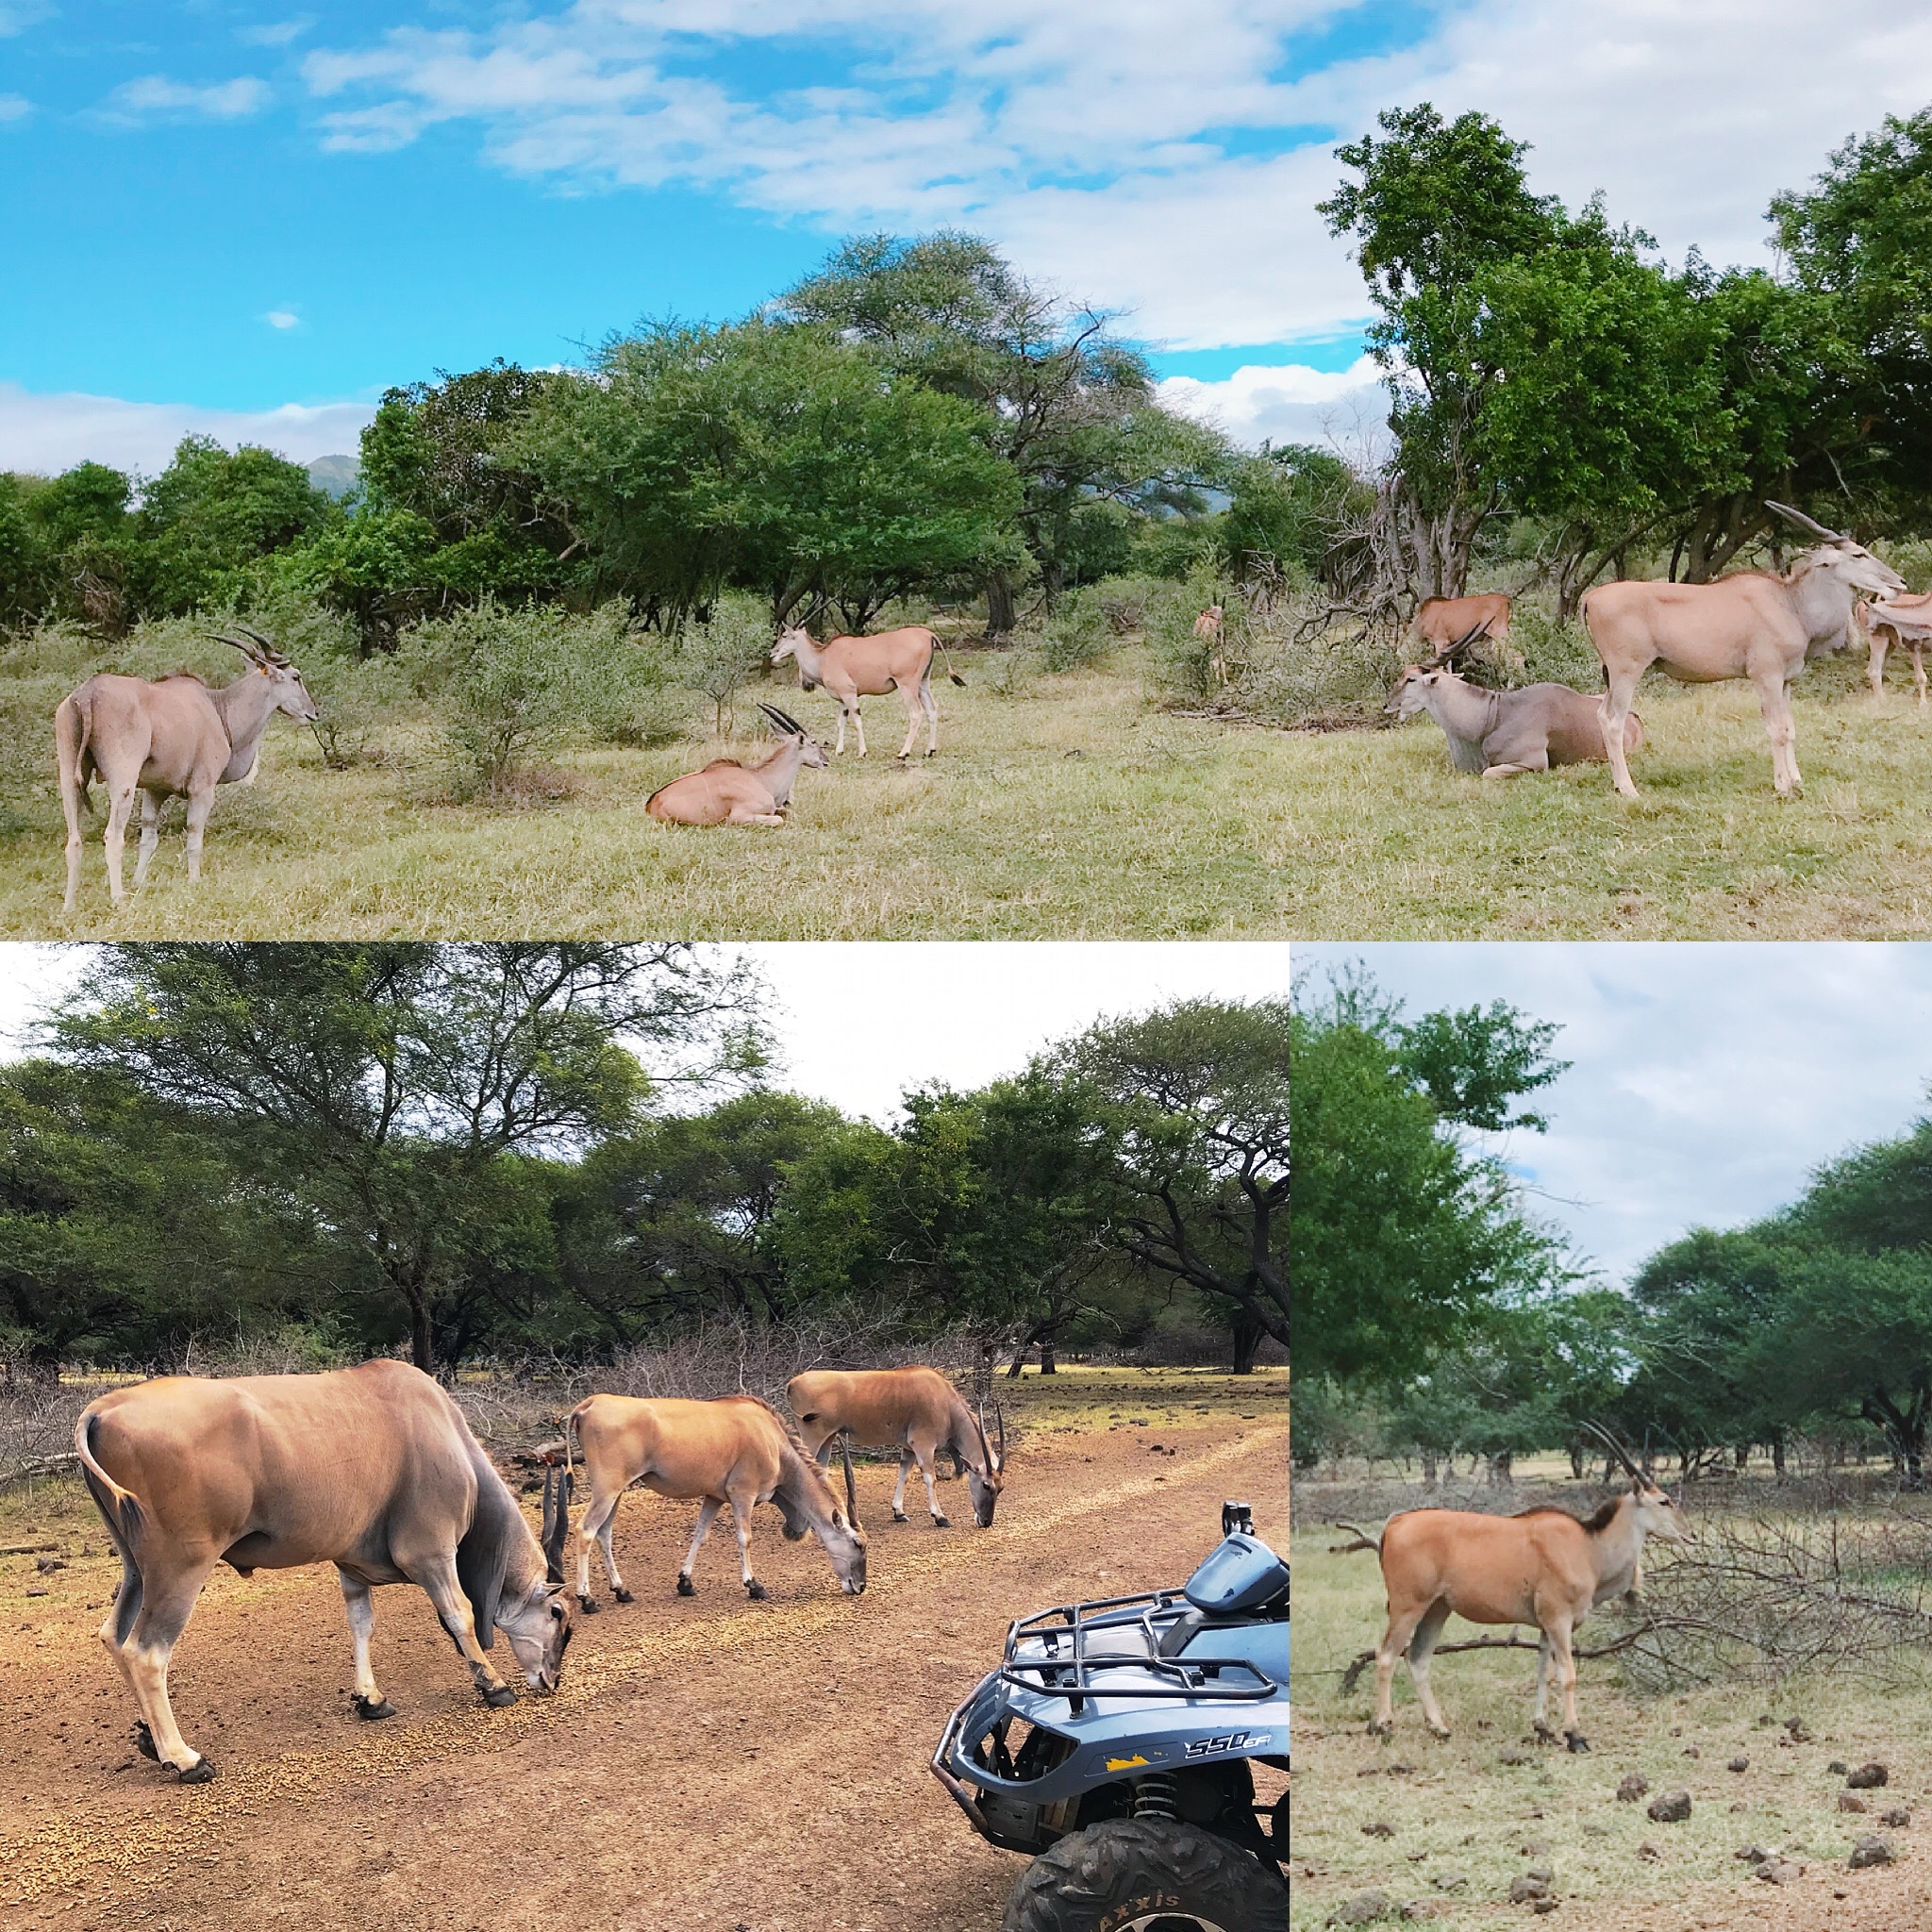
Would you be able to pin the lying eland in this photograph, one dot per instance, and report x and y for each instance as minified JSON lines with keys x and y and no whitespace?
{"x":177,"y":735}
{"x":1504,"y":733}
{"x":1906,"y":621}
{"x":854,"y":668}
{"x":372,"y":1469}
{"x":735,"y":1450}
{"x":916,"y":1411}
{"x":728,"y":793}
{"x":1544,"y":1568}
{"x":1754,"y":625}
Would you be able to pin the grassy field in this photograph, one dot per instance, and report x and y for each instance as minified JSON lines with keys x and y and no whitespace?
{"x":1069,"y":807}
{"x":1452,"y":1823}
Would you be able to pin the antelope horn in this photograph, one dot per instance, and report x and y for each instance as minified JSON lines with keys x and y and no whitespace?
{"x":783,"y":719}
{"x":249,"y":645}
{"x":1616,"y":1449}
{"x":851,"y":1482}
{"x":1804,"y":523}
{"x":556,"y":1499}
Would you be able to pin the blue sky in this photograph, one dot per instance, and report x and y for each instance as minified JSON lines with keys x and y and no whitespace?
{"x":216,"y":210}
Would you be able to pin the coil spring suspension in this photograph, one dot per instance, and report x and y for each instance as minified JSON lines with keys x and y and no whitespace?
{"x":1155,"y":1796}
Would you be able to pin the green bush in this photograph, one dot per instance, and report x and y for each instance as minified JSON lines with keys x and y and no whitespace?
{"x":719,"y":657}
{"x":1075,"y":635}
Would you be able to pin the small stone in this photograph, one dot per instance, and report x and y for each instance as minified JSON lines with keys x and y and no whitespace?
{"x":1872,"y":1851}
{"x":1378,"y":1828}
{"x":1836,"y":1768}
{"x":1846,"y":1801}
{"x":1795,"y":1726}
{"x":1633,"y":1788}
{"x":1364,"y":1908}
{"x":1449,"y":1879}
{"x":1752,"y":1854}
{"x":35,"y":1589}
{"x":1649,"y":1852}
{"x":1514,"y":1754}
{"x":1523,"y":1888}
{"x":1898,"y":1818}
{"x":1671,"y":1808}
{"x":47,"y":1565}
{"x":1592,"y":1829}
{"x":1738,"y":1764}
{"x":1868,"y":1777}
{"x":1779,"y":1871}
{"x":1543,"y":1905}
{"x":1691,"y":1751}
{"x":1543,"y":1874}
{"x":1535,"y":1848}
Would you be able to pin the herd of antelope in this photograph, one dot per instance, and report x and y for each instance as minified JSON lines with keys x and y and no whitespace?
{"x":375,"y":1469}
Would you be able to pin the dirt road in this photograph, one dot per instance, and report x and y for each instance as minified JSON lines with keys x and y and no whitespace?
{"x":707,"y":1763}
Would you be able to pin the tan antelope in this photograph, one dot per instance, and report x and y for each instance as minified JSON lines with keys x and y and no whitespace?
{"x":177,"y":735}
{"x":1904,"y":620}
{"x":1754,"y":624}
{"x":1208,"y":627}
{"x":726,"y":793}
{"x":916,"y":1411}
{"x":1544,"y":1567}
{"x":1503,"y":734}
{"x":1447,"y":624}
{"x":735,"y":1450}
{"x":854,"y":668}
{"x":372,"y":1469}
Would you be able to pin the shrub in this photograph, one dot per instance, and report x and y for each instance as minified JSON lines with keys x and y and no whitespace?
{"x":718,"y":658}
{"x":1075,"y":635}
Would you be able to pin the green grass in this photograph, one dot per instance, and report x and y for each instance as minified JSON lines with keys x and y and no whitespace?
{"x":1067,"y":806}
{"x":1459,"y":1807}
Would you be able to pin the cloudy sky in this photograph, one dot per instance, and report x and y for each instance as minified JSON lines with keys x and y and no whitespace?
{"x":251,"y":219}
{"x":1706,"y":1081}
{"x":858,"y":1024}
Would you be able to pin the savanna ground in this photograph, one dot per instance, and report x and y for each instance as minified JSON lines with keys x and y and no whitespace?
{"x":1444,"y":1827}
{"x":1068,"y":806}
{"x":708,"y":1763}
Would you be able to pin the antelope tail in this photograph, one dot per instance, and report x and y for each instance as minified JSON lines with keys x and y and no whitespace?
{"x":71,"y":748}
{"x":950,"y":671}
{"x":120,"y":1509}
{"x":1363,"y":1541}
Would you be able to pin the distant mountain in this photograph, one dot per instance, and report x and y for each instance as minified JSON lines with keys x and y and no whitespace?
{"x":338,"y":476}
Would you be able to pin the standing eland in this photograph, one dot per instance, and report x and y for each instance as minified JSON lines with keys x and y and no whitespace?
{"x":1906,"y":621}
{"x":728,"y":793}
{"x":735,"y":1449}
{"x":916,"y":1411}
{"x":1754,"y":624}
{"x":372,"y":1469}
{"x":176,"y":735}
{"x":1544,"y":1567}
{"x":853,"y":668}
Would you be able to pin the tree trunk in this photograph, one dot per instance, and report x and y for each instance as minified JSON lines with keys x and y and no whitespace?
{"x":422,"y":1349}
{"x":1430,"y":1478}
{"x":1000,"y":612}
{"x":1048,"y":1366}
{"x":1777,"y":1453}
{"x":1501,"y":1468}
{"x":1576,"y":1462}
{"x":1248,"y":1337}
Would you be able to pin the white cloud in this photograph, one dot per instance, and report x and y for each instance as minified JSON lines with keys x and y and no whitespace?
{"x":282,"y":318}
{"x":14,"y":108}
{"x":52,"y":433}
{"x":16,"y":16}
{"x":275,"y":33}
{"x":1346,"y":409}
{"x":153,"y":96}
{"x":1098,"y":139}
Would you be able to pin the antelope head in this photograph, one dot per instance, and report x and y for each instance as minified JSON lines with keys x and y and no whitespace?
{"x":1843,"y":557}
{"x":285,"y":681}
{"x":986,"y":1485}
{"x":787,"y":727}
{"x":1653,"y":1510}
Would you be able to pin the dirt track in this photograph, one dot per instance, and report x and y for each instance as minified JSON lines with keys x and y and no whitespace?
{"x":709,"y":1762}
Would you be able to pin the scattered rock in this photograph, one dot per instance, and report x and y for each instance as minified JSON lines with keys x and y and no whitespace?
{"x":1592,"y":1829}
{"x":1424,"y":1909}
{"x":1515,"y":1754}
{"x":1779,"y":1871}
{"x":1378,"y":1828}
{"x":1535,"y":1848}
{"x":1671,"y":1808}
{"x":1523,"y":1888}
{"x":1752,"y":1854}
{"x":1543,"y":1874}
{"x":1543,"y":1905}
{"x":1872,"y":1851}
{"x":1633,"y":1788}
{"x":1868,"y":1777}
{"x":1795,"y":1726}
{"x":1449,"y":1879}
{"x":47,"y":1565}
{"x":1898,"y":1818}
{"x":1649,"y":1852}
{"x":1836,"y":1768}
{"x":1691,"y":1751}
{"x":1364,"y":1908}
{"x":1846,"y":1801}
{"x":1738,"y":1764}
{"x":35,"y":1589}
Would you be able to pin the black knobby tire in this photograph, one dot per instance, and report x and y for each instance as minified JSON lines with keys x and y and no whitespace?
{"x":1126,"y":1871}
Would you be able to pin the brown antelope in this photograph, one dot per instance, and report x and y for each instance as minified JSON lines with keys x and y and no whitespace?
{"x":726,"y":793}
{"x":1448,"y":624}
{"x":1904,"y":621}
{"x":1503,"y":734}
{"x":1210,"y":627}
{"x":916,"y":1411}
{"x":735,"y":1450}
{"x":854,"y":668}
{"x":177,"y":735}
{"x":372,"y":1469}
{"x":1544,"y":1568}
{"x":1754,"y":625}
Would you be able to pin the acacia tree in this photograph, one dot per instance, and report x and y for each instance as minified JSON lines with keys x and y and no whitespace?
{"x":383,"y":1085}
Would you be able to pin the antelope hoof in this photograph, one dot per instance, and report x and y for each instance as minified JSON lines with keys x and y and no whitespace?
{"x":900,"y":1516}
{"x":371,"y":1707}
{"x":199,"y":1773}
{"x":1575,"y":1741}
{"x":756,"y":1590}
{"x":1381,"y":1729}
{"x":144,"y":1742}
{"x":942,"y":1522}
{"x":1543,"y":1732}
{"x":499,"y":1696}
{"x":588,"y":1604}
{"x":623,"y":1596}
{"x":685,"y":1586}
{"x":1440,"y":1732}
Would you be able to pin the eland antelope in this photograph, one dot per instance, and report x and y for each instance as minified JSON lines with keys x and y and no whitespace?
{"x":372,"y":1469}
{"x":735,"y":1450}
{"x":1544,"y":1567}
{"x":916,"y":1411}
{"x":174,"y":735}
{"x":728,"y":793}
{"x":1449,"y":624}
{"x":853,"y":668}
{"x":1754,"y":625}
{"x":1504,"y":733}
{"x":1904,"y":620}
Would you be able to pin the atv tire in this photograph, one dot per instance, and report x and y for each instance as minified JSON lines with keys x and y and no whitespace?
{"x":1146,"y":1875}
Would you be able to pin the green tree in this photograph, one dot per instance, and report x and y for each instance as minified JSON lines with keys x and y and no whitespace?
{"x":384,"y":1085}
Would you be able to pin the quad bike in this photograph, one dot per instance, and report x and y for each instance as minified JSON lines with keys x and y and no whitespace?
{"x":1117,"y":1741}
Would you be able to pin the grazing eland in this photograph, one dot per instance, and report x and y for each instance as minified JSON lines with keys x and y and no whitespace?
{"x":1754,"y":624}
{"x":1504,"y":733}
{"x":1543,"y":1567}
{"x":175,"y":735}
{"x":726,"y":793}
{"x":735,"y":1450}
{"x":1904,"y":621}
{"x":1449,"y":624}
{"x":372,"y":1469}
{"x":916,"y":1411}
{"x":852,"y":668}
